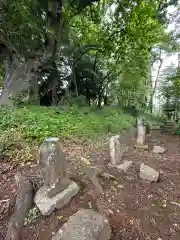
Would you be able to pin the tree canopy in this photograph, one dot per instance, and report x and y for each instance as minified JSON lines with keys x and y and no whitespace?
{"x":101,"y":50}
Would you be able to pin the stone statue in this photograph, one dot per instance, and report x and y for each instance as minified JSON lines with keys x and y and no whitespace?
{"x":51,"y":162}
{"x":58,"y":189}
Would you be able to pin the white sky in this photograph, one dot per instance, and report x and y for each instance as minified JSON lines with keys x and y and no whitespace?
{"x":169,"y":60}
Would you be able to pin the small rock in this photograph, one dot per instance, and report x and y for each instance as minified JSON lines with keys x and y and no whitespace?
{"x":148,"y":173}
{"x":85,"y":225}
{"x":120,"y":186}
{"x":110,"y":212}
{"x":158,"y":149}
{"x":124,"y":166}
{"x":90,"y":204}
{"x":175,"y":203}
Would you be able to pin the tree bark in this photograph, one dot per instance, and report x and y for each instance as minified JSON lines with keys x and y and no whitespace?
{"x":17,"y":78}
{"x":156,"y":82}
{"x":54,"y":93}
{"x":24,"y":202}
{"x":18,"y":72}
{"x":99,"y":100}
{"x":35,"y":97}
{"x":13,"y":82}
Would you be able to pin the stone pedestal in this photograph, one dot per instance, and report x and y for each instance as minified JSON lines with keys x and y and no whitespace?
{"x":58,"y":189}
{"x":169,"y":127}
{"x":124,"y":166}
{"x":47,"y":205}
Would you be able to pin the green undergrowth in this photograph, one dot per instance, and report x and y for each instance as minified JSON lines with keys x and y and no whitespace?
{"x":23,"y":129}
{"x":178,"y":129}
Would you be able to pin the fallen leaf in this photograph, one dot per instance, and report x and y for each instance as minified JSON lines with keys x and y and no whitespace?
{"x":59,"y":217}
{"x":85,"y":161}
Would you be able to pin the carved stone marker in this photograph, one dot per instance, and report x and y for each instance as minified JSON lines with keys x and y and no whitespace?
{"x":141,"y":135}
{"x":115,"y":150}
{"x":58,"y":189}
{"x":85,"y":225}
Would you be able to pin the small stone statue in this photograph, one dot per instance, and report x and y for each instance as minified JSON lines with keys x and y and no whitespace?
{"x":53,"y":166}
{"x":116,"y":150}
{"x":141,"y":134}
{"x":58,"y":189}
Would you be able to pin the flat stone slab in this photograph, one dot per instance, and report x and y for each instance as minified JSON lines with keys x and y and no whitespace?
{"x":124,"y":166}
{"x":158,"y":149}
{"x":148,"y":173}
{"x":47,"y":205}
{"x":85,"y":225}
{"x":145,"y":147}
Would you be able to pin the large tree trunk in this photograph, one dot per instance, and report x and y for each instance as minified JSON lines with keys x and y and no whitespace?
{"x":99,"y":100}
{"x":35,"y":97}
{"x":18,"y":74}
{"x":54,"y":93}
{"x":156,"y":82}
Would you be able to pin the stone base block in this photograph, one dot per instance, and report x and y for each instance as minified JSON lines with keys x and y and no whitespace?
{"x":85,"y":225}
{"x":47,"y":205}
{"x":124,"y":166}
{"x":145,"y":147}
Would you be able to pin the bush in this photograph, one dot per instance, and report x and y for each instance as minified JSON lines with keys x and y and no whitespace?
{"x":23,"y":129}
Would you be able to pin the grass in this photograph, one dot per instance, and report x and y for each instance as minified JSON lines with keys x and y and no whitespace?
{"x":23,"y":129}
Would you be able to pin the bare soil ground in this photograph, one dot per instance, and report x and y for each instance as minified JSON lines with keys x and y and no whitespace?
{"x":136,"y":209}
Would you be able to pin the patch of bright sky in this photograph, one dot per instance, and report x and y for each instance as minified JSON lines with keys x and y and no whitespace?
{"x":170,"y":62}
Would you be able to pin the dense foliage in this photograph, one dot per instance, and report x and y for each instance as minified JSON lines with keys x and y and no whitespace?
{"x":94,"y":52}
{"x":23,"y":129}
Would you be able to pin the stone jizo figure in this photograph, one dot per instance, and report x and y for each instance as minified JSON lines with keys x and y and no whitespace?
{"x":53,"y":166}
{"x":141,"y":134}
{"x":58,"y":189}
{"x":115,"y":150}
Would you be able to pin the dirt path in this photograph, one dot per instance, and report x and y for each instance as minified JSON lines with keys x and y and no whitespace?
{"x":136,"y":209}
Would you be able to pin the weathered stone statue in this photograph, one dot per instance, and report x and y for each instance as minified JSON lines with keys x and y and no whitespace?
{"x":141,"y":134}
{"x":53,"y":166}
{"x":58,"y":189}
{"x":115,"y":150}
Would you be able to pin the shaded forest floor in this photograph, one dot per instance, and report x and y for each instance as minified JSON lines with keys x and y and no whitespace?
{"x":136,"y":209}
